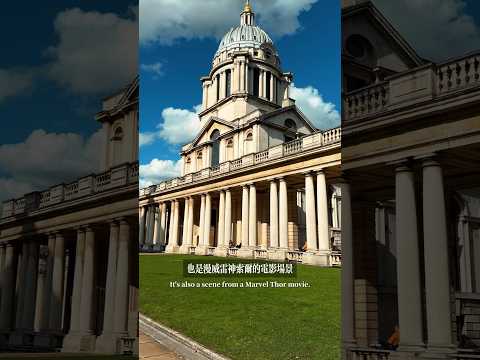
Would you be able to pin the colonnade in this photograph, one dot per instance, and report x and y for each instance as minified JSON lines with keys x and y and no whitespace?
{"x":160,"y":222}
{"x":437,"y":310}
{"x":39,"y":305}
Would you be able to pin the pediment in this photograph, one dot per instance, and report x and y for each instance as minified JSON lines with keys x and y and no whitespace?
{"x":212,"y":124}
{"x":389,"y":49}
{"x":278,"y":117}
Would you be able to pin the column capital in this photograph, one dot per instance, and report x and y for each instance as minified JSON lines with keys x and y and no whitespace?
{"x":401,"y":164}
{"x":308,"y":173}
{"x":245,"y":186}
{"x":320,"y":171}
{"x":251,"y":184}
{"x":431,"y":159}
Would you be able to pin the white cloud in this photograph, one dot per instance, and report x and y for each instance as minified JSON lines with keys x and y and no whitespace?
{"x":165,"y":21}
{"x":437,"y":29}
{"x":156,"y":69}
{"x":158,"y":170}
{"x":45,"y":159}
{"x":178,"y":126}
{"x":321,"y":113}
{"x":96,"y":52}
{"x":14,"y":82}
{"x":146,"y":138}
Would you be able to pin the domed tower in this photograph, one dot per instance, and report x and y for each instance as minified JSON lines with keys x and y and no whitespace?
{"x":246,"y":73}
{"x":246,"y":106}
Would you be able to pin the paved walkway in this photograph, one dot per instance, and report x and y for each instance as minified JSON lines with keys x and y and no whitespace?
{"x":152,"y":350}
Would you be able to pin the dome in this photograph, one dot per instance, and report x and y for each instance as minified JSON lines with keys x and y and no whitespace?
{"x":244,"y":36}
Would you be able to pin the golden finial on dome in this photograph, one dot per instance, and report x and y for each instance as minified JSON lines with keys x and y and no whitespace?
{"x":247,"y":7}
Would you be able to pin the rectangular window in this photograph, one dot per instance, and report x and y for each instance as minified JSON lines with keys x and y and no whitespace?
{"x":267,"y":85}
{"x":218,"y":86}
{"x":228,"y":82}
{"x":256,"y":81}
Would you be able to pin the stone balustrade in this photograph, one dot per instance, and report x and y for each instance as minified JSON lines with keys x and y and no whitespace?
{"x":415,"y":86}
{"x":232,"y":252}
{"x":306,"y":143}
{"x":369,"y":354}
{"x":115,"y":177}
{"x":295,"y":256}
{"x":260,"y":254}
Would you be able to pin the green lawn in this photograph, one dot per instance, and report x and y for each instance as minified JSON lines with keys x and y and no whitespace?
{"x":247,"y":323}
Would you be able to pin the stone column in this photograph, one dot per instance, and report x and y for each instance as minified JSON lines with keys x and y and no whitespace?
{"x":261,"y":87}
{"x":408,"y":269}
{"x":30,"y":287}
{"x":176,"y":219}
{"x":247,"y":78}
{"x":170,"y":226}
{"x":9,"y":273}
{"x":272,"y":88}
{"x":122,"y":280}
{"x":283,"y":214}
{"x":141,"y":228}
{"x":310,"y":213}
{"x":86,"y":304}
{"x":221,"y":220}
{"x":322,"y":213}
{"x":191,"y":205}
{"x":245,"y":209}
{"x":185,"y":223}
{"x":201,"y":241}
{"x":348,"y":313}
{"x":273,"y":214}
{"x":228,"y":218}
{"x":2,"y":263}
{"x":21,"y":282}
{"x":150,"y":224}
{"x":156,"y":226}
{"x":252,"y":216}
{"x":42,"y":297}
{"x":77,"y":282}
{"x":56,"y":302}
{"x":437,"y":285}
{"x":163,"y":223}
{"x":110,"y":312}
{"x":208,"y":219}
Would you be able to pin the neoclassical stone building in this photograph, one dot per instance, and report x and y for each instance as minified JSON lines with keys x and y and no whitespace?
{"x":259,"y":179}
{"x":69,"y":255}
{"x":410,"y":196}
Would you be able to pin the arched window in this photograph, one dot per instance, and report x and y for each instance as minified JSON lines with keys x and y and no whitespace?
{"x":290,"y":124}
{"x":117,"y":146}
{"x":118,"y":134}
{"x":248,"y":146}
{"x":218,"y":86}
{"x":228,"y":82}
{"x":188,"y":165}
{"x":215,"y":147}
{"x":229,"y":150}
{"x":256,"y":81}
{"x":360,"y":48}
{"x":199,"y":160}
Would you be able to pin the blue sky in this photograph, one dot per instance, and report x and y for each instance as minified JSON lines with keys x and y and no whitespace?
{"x":54,"y":70}
{"x":307,"y":36}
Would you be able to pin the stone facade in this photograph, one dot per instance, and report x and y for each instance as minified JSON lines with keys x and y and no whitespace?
{"x":259,"y":180}
{"x":410,"y":141}
{"x":68,"y":255}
